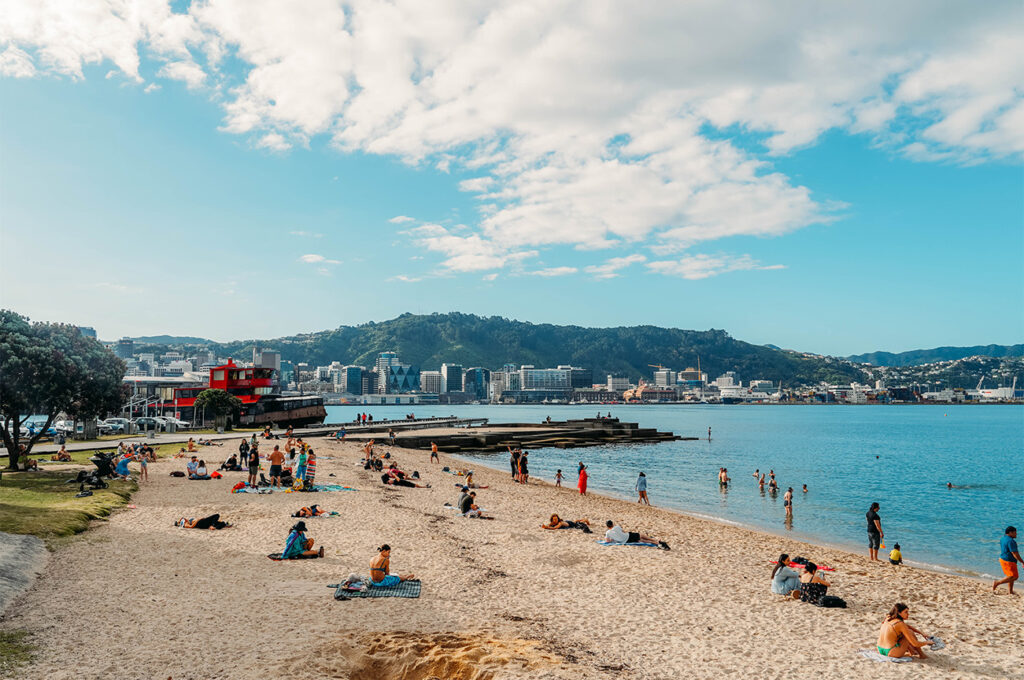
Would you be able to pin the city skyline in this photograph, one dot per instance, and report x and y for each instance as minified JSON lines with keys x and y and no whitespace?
{"x":839,"y":182}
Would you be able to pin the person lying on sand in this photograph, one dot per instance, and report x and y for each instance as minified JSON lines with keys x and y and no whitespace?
{"x":559,"y":523}
{"x":897,"y":637}
{"x":298,"y":547}
{"x":387,"y":480}
{"x":311,"y":511}
{"x":208,"y":442}
{"x":615,"y":534}
{"x":380,"y":574}
{"x":212,"y":522}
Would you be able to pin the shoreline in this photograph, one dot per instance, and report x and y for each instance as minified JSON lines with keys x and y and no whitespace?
{"x":502,"y":599}
{"x":722,"y":521}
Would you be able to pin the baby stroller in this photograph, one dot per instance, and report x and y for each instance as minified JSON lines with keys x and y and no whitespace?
{"x":104,"y":463}
{"x":90,"y":477}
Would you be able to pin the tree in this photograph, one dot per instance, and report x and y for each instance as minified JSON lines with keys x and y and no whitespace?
{"x":47,"y":368}
{"x":221,"y":403}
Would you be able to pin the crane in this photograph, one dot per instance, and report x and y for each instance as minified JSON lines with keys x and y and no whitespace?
{"x":980,"y":380}
{"x":658,"y":366}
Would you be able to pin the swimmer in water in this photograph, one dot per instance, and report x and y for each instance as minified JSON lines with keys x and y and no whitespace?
{"x":805,"y":488}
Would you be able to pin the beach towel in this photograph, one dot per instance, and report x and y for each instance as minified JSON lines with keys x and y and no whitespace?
{"x":643,"y":545}
{"x":253,"y":489}
{"x":332,"y":487}
{"x":873,"y":655}
{"x":798,"y":565}
{"x":345,"y":591}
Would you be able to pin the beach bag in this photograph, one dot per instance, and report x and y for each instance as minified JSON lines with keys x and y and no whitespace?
{"x":831,"y":602}
{"x":177,"y":473}
{"x":216,"y":475}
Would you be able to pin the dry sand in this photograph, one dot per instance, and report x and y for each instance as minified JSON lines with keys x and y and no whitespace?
{"x":137,"y":598}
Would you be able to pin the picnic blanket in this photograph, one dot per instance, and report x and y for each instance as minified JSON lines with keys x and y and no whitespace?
{"x":346,"y":591}
{"x":641,"y":544}
{"x":873,"y":655}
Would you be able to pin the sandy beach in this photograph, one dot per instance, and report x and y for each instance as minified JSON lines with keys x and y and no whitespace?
{"x":135,"y":597}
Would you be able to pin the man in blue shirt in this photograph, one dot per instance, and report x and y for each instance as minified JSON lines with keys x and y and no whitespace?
{"x":1009,"y":557}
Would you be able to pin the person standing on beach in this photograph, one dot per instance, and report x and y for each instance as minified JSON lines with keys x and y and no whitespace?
{"x":787,"y":500}
{"x":641,"y":489}
{"x":582,"y":483}
{"x":276,"y":460}
{"x":524,"y":471}
{"x":254,"y":464}
{"x":558,"y":478}
{"x":875,"y":532}
{"x":1009,"y":557}
{"x":433,"y":453}
{"x":514,"y":462}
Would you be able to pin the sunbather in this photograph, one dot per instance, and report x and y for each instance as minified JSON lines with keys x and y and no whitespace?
{"x":897,"y":637}
{"x":62,"y":455}
{"x":559,"y":523}
{"x":380,"y":570}
{"x":298,"y":547}
{"x":615,"y":534}
{"x":394,"y":481}
{"x":212,"y":522}
{"x":311,"y":511}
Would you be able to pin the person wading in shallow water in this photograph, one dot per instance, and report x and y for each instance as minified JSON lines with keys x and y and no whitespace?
{"x":875,"y":533}
{"x":641,"y":489}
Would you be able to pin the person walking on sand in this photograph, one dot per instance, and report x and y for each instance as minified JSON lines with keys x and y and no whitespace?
{"x":143,"y":467}
{"x":875,"y":532}
{"x":582,"y":483}
{"x":787,"y":500}
{"x":433,"y":453}
{"x":1009,"y":557}
{"x":641,"y":489}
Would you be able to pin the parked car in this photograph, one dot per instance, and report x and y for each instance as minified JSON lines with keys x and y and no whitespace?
{"x":111,"y":427}
{"x":119,"y":425}
{"x":66,"y":427}
{"x":149,"y":423}
{"x":36,"y":424}
{"x":180,"y":424}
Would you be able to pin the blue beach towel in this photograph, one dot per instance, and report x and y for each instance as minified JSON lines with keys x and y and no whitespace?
{"x":345,"y":591}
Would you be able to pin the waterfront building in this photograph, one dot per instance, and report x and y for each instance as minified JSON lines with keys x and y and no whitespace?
{"x":761,"y":385}
{"x":579,"y":377}
{"x":399,"y":379}
{"x":665,"y":378}
{"x":476,"y":382}
{"x":430,"y":382}
{"x":532,"y":378}
{"x":451,"y":377}
{"x":350,"y":379}
{"x":617,"y":383}
{"x":727,"y":379}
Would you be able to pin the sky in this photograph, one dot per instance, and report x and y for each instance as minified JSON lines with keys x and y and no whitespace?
{"x":830,"y":177}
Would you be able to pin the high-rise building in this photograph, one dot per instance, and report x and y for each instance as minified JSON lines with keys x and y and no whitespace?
{"x":87,"y":331}
{"x":125,"y":348}
{"x":579,"y":377}
{"x":544,"y":378}
{"x":727,"y":379}
{"x":399,"y":379}
{"x":384,"y":361}
{"x":665,"y":378}
{"x":430,"y":382}
{"x":451,"y":377}
{"x":369,"y":382}
{"x":476,"y":381}
{"x":617,"y":384}
{"x":351,"y":379}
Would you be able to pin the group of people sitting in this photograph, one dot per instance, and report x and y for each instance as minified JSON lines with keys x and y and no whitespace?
{"x":196,"y":469}
{"x":467,"y":505}
{"x":394,"y":476}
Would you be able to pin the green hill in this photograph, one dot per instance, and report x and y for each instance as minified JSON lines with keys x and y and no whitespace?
{"x":429,"y":340}
{"x":918,"y":357}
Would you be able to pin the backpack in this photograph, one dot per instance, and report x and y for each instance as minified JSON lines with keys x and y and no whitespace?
{"x":177,"y":473}
{"x":832,"y":602}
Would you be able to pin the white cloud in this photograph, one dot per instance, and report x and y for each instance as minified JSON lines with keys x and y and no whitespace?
{"x":317,"y":259}
{"x":306,"y":234}
{"x":152,"y":87}
{"x":406,"y":279}
{"x":16,"y":63}
{"x":186,"y":71}
{"x":703,"y":266}
{"x":490,"y":277}
{"x":581,"y":127}
{"x":611,"y":267}
{"x":467,"y":253}
{"x":553,"y":271}
{"x":401,"y":219}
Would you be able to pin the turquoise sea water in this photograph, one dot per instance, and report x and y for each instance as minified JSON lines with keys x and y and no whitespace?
{"x":848,"y":456}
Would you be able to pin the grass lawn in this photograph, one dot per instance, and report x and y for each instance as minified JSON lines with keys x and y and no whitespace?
{"x":15,"y":651}
{"x":82,"y":457}
{"x":41,"y":504}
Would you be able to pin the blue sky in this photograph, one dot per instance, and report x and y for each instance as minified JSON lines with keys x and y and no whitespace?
{"x":210,"y":189}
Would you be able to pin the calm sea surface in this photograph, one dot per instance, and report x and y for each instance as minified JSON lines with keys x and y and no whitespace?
{"x":848,"y":456}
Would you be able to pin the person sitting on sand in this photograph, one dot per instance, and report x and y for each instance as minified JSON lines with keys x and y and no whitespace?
{"x":212,"y":522}
{"x":191,"y":465}
{"x":380,"y":570}
{"x":897,"y":638}
{"x":63,"y":456}
{"x":231,"y":463}
{"x":615,"y":534}
{"x":468,"y":506}
{"x":813,"y":586}
{"x":191,"y":445}
{"x":298,"y":547}
{"x":201,"y":472}
{"x":785,"y":581}
{"x":895,"y":555}
{"x":559,"y":523}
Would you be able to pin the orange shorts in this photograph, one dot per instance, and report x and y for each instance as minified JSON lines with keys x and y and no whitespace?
{"x":1009,"y":568}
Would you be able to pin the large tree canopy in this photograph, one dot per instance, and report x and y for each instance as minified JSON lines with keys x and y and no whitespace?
{"x":220,"y":402}
{"x":47,"y":368}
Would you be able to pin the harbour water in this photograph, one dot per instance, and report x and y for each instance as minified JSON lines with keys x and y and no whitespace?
{"x":848,"y":456}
